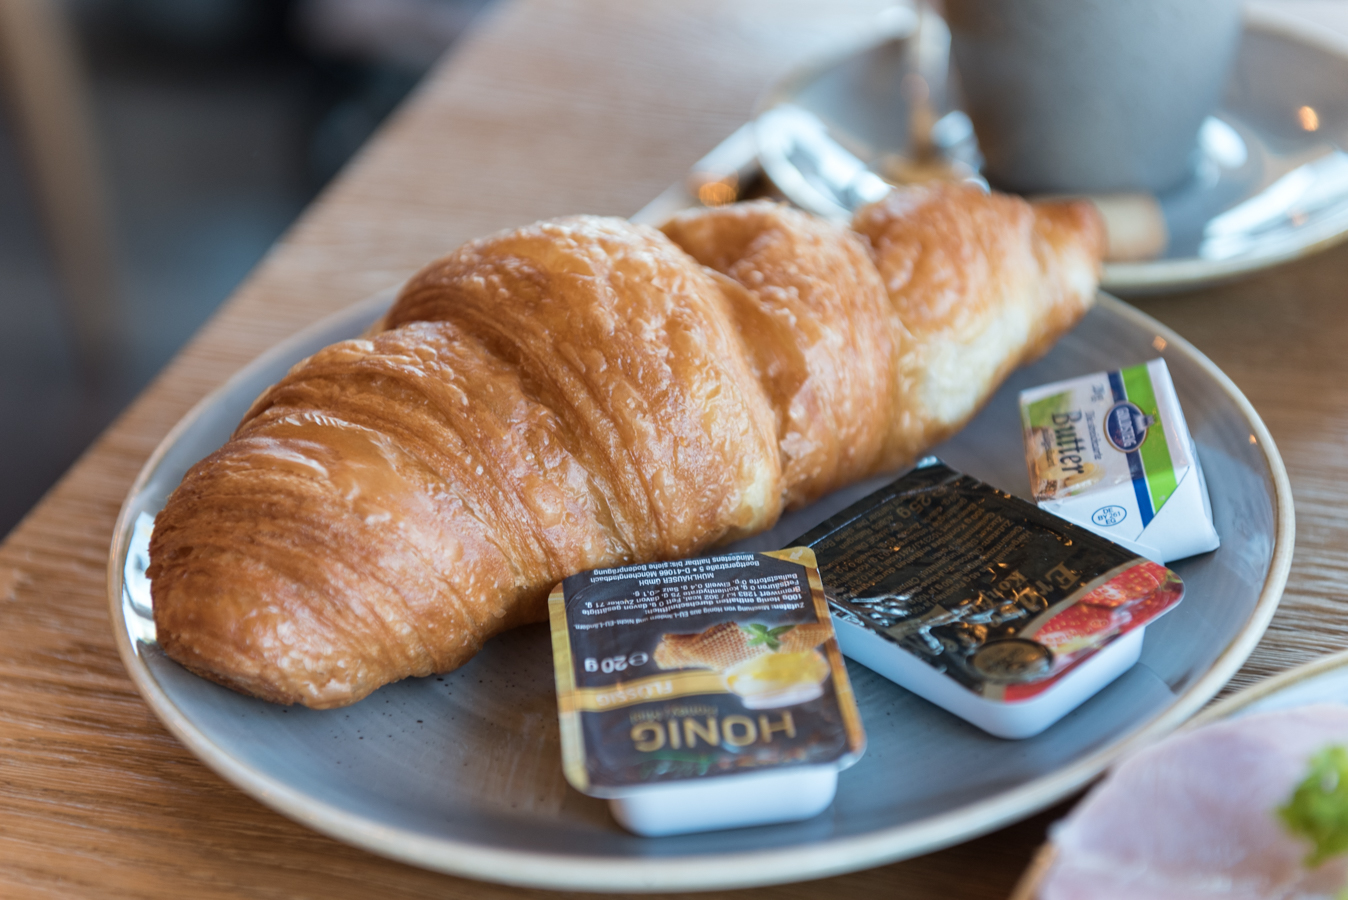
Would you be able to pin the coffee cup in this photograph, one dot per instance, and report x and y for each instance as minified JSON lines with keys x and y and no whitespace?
{"x":1091,"y":96}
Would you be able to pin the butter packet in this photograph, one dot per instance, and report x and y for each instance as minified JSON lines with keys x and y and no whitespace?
{"x":703,"y":693}
{"x":1111,"y":452}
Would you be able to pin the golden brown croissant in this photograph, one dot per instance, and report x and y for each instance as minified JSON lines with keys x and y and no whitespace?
{"x":583,"y":393}
{"x":980,"y":283}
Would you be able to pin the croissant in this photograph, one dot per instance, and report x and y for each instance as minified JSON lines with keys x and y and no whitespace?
{"x":582,"y":393}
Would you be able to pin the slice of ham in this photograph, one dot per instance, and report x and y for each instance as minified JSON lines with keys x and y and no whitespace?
{"x":1195,"y":817}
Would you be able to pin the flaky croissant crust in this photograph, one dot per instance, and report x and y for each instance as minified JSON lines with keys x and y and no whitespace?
{"x":581,"y":393}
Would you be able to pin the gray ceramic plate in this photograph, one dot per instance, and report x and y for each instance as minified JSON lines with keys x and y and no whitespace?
{"x":462,"y":773}
{"x":1270,"y":184}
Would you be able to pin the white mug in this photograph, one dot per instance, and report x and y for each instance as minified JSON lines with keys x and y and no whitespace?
{"x":1091,"y":96}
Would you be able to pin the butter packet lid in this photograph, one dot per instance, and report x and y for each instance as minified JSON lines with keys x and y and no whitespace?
{"x":984,"y":587}
{"x":703,"y":667}
{"x":1111,"y":452}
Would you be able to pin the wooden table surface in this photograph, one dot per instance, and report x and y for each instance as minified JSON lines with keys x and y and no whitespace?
{"x":548,"y":108}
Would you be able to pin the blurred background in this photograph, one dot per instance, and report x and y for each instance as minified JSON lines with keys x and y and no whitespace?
{"x":150,"y":152}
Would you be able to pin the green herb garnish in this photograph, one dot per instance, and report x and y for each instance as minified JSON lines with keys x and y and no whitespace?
{"x":760,"y":635}
{"x":1318,"y":808}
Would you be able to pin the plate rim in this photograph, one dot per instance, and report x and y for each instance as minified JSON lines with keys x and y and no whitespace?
{"x":693,"y":872}
{"x":1157,"y":276}
{"x":1269,"y":686}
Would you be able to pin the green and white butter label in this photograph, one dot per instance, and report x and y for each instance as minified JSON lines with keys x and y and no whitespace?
{"x":1103,"y":430}
{"x":1110,"y":451}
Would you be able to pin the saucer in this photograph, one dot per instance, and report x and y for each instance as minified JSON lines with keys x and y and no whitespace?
{"x":1270,"y":181}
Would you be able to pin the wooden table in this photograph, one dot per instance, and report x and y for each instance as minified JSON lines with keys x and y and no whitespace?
{"x":549,"y":108}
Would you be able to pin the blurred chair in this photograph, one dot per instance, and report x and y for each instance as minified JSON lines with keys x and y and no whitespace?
{"x":411,"y":34}
{"x":41,"y":78}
